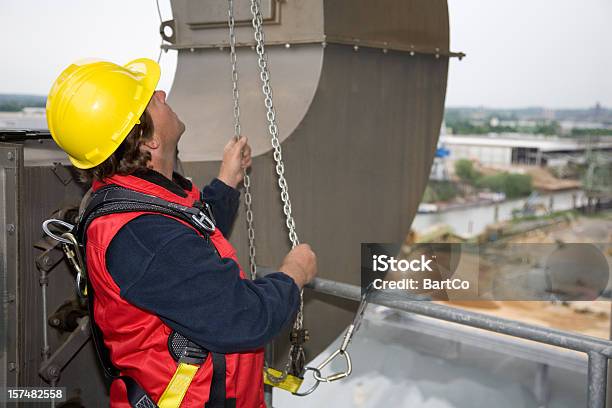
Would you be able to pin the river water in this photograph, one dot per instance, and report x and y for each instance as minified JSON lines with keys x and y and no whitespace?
{"x":473,"y":220}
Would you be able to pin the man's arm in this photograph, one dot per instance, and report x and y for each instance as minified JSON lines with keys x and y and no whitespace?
{"x":164,"y":267}
{"x":224,"y":201}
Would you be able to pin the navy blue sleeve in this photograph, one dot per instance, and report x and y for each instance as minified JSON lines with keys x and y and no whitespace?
{"x":224,"y":201}
{"x":162,"y":266}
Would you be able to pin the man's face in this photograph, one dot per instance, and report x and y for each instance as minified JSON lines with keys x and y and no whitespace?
{"x":166,"y":124}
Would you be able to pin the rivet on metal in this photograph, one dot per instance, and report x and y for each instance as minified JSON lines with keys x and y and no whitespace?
{"x":10,"y":228}
{"x":356,"y":47}
{"x":10,"y":156}
{"x":53,"y":371}
{"x":287,"y":45}
{"x":192,"y":49}
{"x":12,"y":366}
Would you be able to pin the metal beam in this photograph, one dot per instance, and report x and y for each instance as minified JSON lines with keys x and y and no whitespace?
{"x":598,"y":366}
{"x":598,"y":350}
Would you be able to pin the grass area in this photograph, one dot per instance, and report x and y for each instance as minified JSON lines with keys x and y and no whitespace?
{"x":555,"y":214}
{"x":512,"y":185}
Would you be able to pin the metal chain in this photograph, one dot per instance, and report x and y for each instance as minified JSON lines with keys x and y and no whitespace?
{"x":248,"y":198}
{"x":296,"y":352}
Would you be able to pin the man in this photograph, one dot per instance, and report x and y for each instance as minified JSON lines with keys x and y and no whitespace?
{"x":154,"y":275}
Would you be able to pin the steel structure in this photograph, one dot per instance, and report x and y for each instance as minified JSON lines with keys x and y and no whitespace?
{"x":597,"y":350}
{"x":359,"y":93}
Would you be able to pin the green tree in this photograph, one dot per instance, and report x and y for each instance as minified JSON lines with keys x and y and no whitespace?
{"x":513,"y":185}
{"x":464,"y":169}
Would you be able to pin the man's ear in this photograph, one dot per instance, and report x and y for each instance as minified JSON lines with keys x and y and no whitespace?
{"x":153,"y":143}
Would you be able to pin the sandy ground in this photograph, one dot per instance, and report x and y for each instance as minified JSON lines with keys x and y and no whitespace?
{"x":591,"y":318}
{"x":541,"y":178}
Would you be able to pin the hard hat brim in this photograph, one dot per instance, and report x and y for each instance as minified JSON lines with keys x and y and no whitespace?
{"x":149,"y":72}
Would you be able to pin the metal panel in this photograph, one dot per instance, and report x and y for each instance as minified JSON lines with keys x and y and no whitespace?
{"x":202,"y":96}
{"x":357,"y":165}
{"x":11,"y":160}
{"x":418,"y":26}
{"x":213,"y":13}
{"x":295,"y":21}
{"x":30,"y":195}
{"x":410,"y":25}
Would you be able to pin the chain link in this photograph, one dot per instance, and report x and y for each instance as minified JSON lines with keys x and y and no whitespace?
{"x":248,"y":198}
{"x":296,"y":352}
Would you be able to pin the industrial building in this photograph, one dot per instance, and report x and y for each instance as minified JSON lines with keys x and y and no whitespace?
{"x":507,"y":149}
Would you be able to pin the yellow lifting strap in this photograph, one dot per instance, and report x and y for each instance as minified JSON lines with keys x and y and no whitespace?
{"x":177,"y":387}
{"x":291,"y":383}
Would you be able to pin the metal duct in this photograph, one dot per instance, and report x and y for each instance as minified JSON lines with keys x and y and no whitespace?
{"x":359,"y":91}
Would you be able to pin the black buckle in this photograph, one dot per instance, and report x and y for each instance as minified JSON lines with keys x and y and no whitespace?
{"x":185,"y":351}
{"x":193,"y":355}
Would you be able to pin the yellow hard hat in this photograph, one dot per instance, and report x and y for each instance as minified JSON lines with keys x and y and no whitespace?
{"x":93,"y":106}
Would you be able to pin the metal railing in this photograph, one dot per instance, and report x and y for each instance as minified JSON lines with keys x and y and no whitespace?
{"x":597,"y":350}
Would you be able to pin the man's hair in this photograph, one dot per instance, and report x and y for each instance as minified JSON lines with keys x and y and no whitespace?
{"x":128,"y":157}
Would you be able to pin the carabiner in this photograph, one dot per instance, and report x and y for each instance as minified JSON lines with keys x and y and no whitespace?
{"x":309,"y":391}
{"x":336,"y":376}
{"x":76,"y":260}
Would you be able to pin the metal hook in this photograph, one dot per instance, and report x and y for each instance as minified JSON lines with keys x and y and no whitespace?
{"x":68,"y":226}
{"x":76,"y":260}
{"x":335,"y":376}
{"x":316,"y":372}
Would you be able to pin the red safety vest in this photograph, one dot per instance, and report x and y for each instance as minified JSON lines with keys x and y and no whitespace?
{"x":137,"y":339}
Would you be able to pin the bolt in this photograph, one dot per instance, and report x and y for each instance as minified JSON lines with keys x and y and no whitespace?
{"x":356,"y":47}
{"x":287,"y":45}
{"x":12,"y":366}
{"x":55,"y":322}
{"x":10,"y":156}
{"x":10,"y":228}
{"x":47,"y":260}
{"x":53,"y":371}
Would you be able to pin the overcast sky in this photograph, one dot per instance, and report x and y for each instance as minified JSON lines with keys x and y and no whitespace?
{"x":553,"y":53}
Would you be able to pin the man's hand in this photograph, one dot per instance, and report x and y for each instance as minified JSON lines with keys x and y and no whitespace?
{"x":236,"y":158}
{"x":301,"y":264}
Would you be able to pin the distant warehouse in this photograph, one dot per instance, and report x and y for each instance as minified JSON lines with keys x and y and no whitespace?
{"x":514,"y":148}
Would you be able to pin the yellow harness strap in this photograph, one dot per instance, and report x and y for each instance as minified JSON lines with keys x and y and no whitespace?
{"x":177,"y":387}
{"x":291,"y":383}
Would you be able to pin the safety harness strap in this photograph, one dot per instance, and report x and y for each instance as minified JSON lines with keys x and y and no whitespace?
{"x":177,"y":387}
{"x":217,"y":397}
{"x":290,"y":383}
{"x":136,"y":396}
{"x":113,"y":199}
